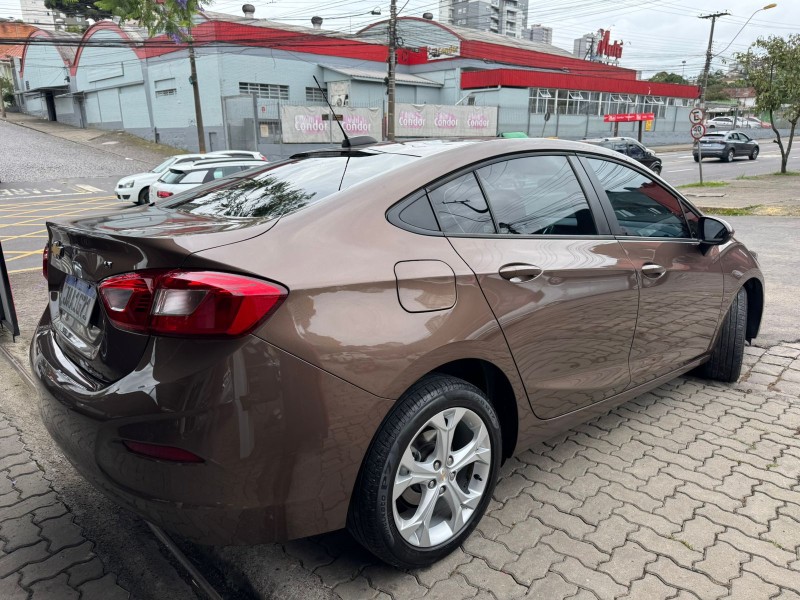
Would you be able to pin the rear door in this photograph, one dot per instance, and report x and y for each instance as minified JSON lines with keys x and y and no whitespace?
{"x":681,"y":286}
{"x":559,"y":284}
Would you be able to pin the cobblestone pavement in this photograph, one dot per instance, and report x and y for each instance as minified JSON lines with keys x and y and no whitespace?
{"x":690,"y":491}
{"x":43,"y":552}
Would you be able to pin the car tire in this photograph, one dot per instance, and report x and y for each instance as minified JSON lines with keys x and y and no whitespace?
{"x":729,"y":155}
{"x":753,"y":154}
{"x":656,"y":169}
{"x":413,"y":435}
{"x":143,"y":196}
{"x":696,"y":158}
{"x":725,"y":363}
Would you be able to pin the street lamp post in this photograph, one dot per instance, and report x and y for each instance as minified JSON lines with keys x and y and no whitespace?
{"x":390,"y":80}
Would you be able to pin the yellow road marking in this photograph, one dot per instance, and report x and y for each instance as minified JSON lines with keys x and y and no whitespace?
{"x":38,"y":218}
{"x":26,"y":270}
{"x":49,"y":201}
{"x":32,"y":235}
{"x":24,"y":255}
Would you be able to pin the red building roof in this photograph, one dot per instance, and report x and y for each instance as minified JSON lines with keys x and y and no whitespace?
{"x":584,"y":80}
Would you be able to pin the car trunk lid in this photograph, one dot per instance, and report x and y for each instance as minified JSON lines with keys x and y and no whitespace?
{"x":85,"y":252}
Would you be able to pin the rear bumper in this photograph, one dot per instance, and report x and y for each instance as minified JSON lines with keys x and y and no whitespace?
{"x":282,"y":441}
{"x":711,"y":153}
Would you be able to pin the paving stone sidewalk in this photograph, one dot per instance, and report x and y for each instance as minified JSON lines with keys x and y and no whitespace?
{"x":688,"y":492}
{"x":43,"y":552}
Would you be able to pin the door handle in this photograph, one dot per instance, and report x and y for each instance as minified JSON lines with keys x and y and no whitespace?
{"x":519,"y":272}
{"x":653,"y":271}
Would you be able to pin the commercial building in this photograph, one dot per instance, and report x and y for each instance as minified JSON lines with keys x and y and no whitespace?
{"x":505,"y":17}
{"x":538,"y":33}
{"x":257,"y":88}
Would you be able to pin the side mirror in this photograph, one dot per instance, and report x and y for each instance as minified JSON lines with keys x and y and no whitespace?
{"x":714,"y":232}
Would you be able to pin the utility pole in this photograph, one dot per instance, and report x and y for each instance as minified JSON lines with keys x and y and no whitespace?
{"x":2,"y":101}
{"x":390,"y":80}
{"x":198,"y":111}
{"x":709,"y":56}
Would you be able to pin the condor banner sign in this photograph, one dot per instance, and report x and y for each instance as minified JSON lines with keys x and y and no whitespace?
{"x":314,"y":124}
{"x":437,"y":121}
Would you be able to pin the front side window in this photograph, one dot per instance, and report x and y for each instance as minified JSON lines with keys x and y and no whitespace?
{"x":461,"y":206}
{"x":643,"y":207}
{"x":635,"y":151}
{"x":537,"y":195}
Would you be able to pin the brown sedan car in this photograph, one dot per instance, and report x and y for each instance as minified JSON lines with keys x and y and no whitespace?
{"x":360,"y":336}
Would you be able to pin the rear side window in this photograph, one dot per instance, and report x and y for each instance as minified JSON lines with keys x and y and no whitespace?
{"x":537,"y":195}
{"x":461,"y":207}
{"x":642,"y":206}
{"x":194,"y":176}
{"x":220,"y":172}
{"x":282,"y":188}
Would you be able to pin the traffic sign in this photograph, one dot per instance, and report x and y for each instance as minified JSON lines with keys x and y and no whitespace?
{"x":698,"y":131}
{"x":696,"y":116}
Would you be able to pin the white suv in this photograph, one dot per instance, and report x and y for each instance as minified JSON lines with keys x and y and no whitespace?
{"x":178,"y":178}
{"x":137,"y":187}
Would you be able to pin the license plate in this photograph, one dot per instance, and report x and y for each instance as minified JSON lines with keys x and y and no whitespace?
{"x":77,"y":299}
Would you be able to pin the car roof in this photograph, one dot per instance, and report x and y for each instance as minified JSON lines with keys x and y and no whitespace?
{"x":217,"y":162}
{"x":609,"y":139}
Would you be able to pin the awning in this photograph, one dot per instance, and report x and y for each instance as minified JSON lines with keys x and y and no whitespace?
{"x":371,"y":75}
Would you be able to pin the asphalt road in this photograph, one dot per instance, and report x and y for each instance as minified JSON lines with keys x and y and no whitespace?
{"x":679,"y":167}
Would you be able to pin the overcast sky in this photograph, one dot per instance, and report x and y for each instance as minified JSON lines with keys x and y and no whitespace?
{"x":657,"y":34}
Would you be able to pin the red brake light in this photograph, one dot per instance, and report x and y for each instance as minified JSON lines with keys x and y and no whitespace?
{"x":45,"y":259}
{"x":163,"y":194}
{"x":189,"y":303}
{"x":169,"y":453}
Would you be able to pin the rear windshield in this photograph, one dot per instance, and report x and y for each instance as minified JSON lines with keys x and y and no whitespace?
{"x":288,"y":186}
{"x":172,"y":176}
{"x":715,"y":136}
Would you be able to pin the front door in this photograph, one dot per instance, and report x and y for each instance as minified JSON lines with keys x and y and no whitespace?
{"x":561,"y":287}
{"x":51,"y":105}
{"x":681,"y":285}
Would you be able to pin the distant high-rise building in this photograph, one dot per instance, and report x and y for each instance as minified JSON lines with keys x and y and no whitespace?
{"x":584,"y":45}
{"x":446,"y":11}
{"x":506,"y":17}
{"x":34,"y":12}
{"x":539,"y":33}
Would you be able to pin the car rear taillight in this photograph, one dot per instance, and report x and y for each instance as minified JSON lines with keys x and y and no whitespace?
{"x":163,"y":194}
{"x":45,"y":259}
{"x":169,"y":453}
{"x":189,"y":303}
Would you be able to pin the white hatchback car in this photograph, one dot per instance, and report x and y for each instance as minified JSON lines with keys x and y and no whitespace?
{"x":178,"y":178}
{"x":137,"y":187}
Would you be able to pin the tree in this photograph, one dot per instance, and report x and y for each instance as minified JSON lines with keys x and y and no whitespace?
{"x":664,"y":77}
{"x":717,"y":86}
{"x":78,"y":8}
{"x":772,"y":68}
{"x":173,"y":17}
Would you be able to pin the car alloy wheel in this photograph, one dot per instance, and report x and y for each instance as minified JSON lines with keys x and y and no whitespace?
{"x":730,"y":155}
{"x":753,"y":154}
{"x":429,"y":473}
{"x":442,"y":477}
